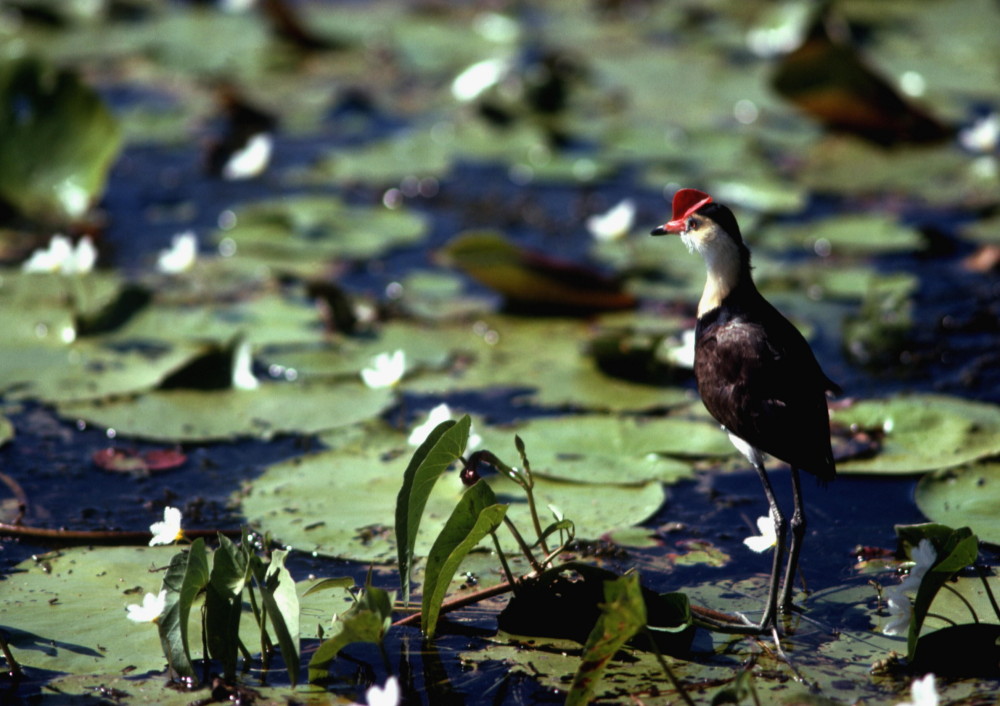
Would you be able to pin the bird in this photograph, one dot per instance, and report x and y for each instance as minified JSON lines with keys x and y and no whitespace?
{"x":757,"y":376}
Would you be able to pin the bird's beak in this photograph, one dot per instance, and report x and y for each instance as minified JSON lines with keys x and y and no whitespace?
{"x":669,"y":227}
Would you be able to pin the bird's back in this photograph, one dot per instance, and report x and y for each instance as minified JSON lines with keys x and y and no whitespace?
{"x":759,"y":378}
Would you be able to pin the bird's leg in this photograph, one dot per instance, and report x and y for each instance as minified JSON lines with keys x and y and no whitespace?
{"x":779,"y":549}
{"x":798,"y":527}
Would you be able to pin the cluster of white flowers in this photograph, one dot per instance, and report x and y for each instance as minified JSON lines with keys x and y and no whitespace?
{"x":897,"y":600}
{"x":63,"y":257}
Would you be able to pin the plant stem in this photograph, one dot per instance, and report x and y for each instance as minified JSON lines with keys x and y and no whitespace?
{"x":525,"y":549}
{"x":461,"y":602}
{"x":503,"y":558}
{"x":666,"y":667}
{"x":959,"y":596}
{"x":989,"y":591}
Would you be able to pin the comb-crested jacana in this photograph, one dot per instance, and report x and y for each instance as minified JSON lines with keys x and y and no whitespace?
{"x":756,"y":375}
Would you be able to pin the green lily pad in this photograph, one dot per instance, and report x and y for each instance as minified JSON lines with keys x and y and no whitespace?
{"x":65,"y":611}
{"x":844,"y":235}
{"x":608,"y":449}
{"x":291,"y":500}
{"x":57,"y":141}
{"x":923,"y":432}
{"x":960,"y":497}
{"x":196,"y":415}
{"x":307,"y":228}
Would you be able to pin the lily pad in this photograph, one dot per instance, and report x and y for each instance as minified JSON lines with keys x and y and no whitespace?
{"x":967,"y":496}
{"x":64,"y":612}
{"x":291,"y":501}
{"x":196,"y":415}
{"x":304,"y":228}
{"x":845,"y":235}
{"x":608,"y":449}
{"x":923,"y":432}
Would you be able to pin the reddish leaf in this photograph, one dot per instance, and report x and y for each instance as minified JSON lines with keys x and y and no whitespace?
{"x":131,"y":461}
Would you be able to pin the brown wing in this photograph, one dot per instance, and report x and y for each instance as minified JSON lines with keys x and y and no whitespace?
{"x":768,"y":390}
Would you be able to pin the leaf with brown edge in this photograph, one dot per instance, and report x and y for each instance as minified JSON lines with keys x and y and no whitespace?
{"x":531,"y":281}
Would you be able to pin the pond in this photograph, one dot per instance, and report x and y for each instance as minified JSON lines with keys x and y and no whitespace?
{"x":279,"y":194}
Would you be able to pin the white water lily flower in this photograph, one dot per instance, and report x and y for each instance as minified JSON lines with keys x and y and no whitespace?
{"x":62,"y":256}
{"x":768,"y":536}
{"x":150,"y":610}
{"x":681,"y":355}
{"x":181,"y":254}
{"x":615,"y":223}
{"x":983,"y":135}
{"x":243,"y":377}
{"x":923,"y":692}
{"x":479,"y":78}
{"x":387,"y":695}
{"x":168,"y":531}
{"x":900,"y":611}
{"x":386,"y":370}
{"x":250,"y":161}
{"x":924,"y":557}
{"x":441,"y":413}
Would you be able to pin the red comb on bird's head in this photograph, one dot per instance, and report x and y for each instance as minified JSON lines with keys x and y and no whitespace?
{"x":686,"y":202}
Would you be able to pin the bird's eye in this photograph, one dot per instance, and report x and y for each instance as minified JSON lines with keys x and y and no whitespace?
{"x":692,"y":224}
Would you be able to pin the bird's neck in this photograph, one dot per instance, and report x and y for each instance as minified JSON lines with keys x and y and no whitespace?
{"x":727,"y":273}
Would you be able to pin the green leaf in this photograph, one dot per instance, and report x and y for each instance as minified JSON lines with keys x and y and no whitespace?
{"x":212,"y":415}
{"x":476,"y":515}
{"x":281,"y":607}
{"x":964,"y":496}
{"x":443,"y":446}
{"x":224,"y":605}
{"x":623,"y":614}
{"x":186,"y":577}
{"x":956,"y":549}
{"x":366,"y":621}
{"x":922,"y":432}
{"x":57,"y":141}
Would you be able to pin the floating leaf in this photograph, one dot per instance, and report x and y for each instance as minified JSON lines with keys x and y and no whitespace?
{"x":196,"y":415}
{"x":308,"y":228}
{"x":608,"y":449}
{"x":57,"y":141}
{"x":290,"y":500}
{"x":532,"y":281}
{"x":856,"y":234}
{"x":827,"y":78}
{"x":132,"y":461}
{"x":963,"y":496}
{"x":922,"y":432}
